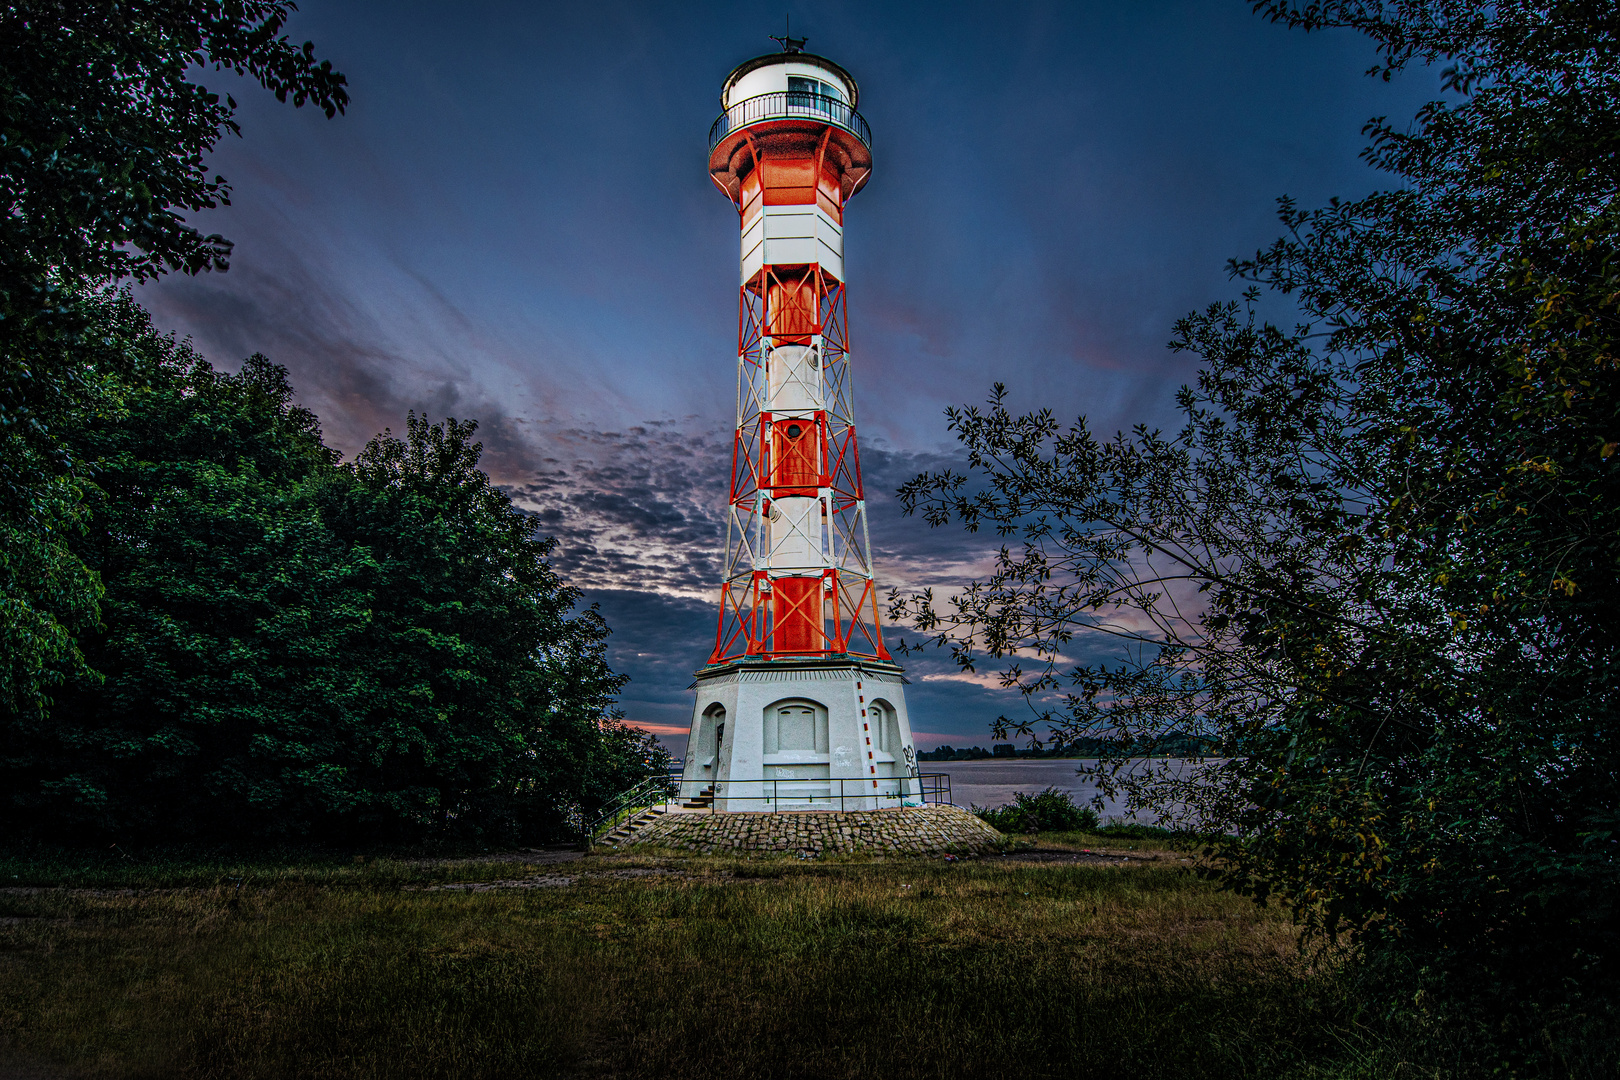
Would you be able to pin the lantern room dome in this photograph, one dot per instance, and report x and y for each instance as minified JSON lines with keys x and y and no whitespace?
{"x":770,"y":74}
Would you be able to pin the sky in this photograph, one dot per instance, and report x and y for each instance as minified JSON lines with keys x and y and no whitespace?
{"x":513,"y":223}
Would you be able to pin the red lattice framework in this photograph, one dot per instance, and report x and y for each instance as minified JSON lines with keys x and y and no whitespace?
{"x":767,"y":613}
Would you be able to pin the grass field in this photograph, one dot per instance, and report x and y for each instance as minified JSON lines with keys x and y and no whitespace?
{"x":651,"y":966}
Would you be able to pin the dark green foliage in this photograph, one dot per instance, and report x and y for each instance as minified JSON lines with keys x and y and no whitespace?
{"x":296,"y":648}
{"x":102,"y":144}
{"x":1174,"y":744}
{"x":1049,"y":810}
{"x":46,"y":593}
{"x":105,"y":132}
{"x":283,"y":647}
{"x":1130,"y":830}
{"x":1378,"y":568}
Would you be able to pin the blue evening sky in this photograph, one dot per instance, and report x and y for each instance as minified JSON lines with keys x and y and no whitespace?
{"x":514,"y":223}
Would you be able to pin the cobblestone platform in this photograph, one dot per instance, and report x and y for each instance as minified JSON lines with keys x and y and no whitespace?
{"x":924,"y":830}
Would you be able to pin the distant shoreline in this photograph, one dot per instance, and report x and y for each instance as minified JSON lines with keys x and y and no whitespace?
{"x":1172,"y":745}
{"x":1008,"y":759}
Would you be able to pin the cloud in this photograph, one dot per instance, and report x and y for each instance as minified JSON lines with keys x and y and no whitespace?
{"x":990,"y":680}
{"x":636,"y":509}
{"x":360,"y":362}
{"x":662,"y":729}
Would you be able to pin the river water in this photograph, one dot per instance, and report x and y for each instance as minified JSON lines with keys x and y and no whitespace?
{"x":993,"y":783}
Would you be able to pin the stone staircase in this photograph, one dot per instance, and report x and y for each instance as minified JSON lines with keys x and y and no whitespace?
{"x":701,"y":801}
{"x":626,"y":830}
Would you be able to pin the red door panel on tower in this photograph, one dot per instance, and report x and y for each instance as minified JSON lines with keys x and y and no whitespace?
{"x":797,"y":602}
{"x":795,"y":468}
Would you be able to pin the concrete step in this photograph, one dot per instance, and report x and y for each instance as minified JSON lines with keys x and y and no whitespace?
{"x":625,"y":830}
{"x":701,"y":800}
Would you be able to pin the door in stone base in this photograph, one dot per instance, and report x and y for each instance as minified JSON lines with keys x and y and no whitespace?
{"x":796,"y":736}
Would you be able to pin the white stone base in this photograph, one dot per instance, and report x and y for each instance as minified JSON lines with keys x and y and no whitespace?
{"x":790,"y":735}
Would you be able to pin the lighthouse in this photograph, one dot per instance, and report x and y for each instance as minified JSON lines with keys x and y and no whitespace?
{"x":800,"y":705}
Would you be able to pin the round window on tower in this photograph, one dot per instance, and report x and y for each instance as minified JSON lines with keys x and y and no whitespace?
{"x":794,"y":431}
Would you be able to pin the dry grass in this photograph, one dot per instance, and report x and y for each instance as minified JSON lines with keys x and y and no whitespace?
{"x":691,"y":968}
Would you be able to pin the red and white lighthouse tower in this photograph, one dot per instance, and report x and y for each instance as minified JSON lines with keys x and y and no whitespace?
{"x":800,"y":703}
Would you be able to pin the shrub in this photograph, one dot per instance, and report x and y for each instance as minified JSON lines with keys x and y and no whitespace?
{"x":1050,"y":810}
{"x":1130,"y":830}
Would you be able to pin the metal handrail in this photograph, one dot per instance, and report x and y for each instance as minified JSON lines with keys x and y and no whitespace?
{"x":782,"y":104}
{"x":650,"y":792}
{"x":932,"y":788}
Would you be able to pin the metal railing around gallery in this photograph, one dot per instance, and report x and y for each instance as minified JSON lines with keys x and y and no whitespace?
{"x":791,"y":104}
{"x":771,"y":793}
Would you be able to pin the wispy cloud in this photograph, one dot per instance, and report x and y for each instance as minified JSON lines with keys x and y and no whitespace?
{"x":636,"y":509}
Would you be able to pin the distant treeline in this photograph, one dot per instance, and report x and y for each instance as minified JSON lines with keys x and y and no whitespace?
{"x":1177,"y":745}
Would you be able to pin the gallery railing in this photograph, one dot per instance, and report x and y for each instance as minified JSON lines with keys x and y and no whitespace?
{"x":786,"y":104}
{"x":823,"y":793}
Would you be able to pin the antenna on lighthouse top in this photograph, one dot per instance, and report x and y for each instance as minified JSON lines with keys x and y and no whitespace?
{"x":789,"y":43}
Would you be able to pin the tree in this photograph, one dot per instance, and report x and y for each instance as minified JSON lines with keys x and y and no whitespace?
{"x":103,"y":138}
{"x":472,"y":621}
{"x":1377,"y":566}
{"x":295,"y":648}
